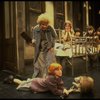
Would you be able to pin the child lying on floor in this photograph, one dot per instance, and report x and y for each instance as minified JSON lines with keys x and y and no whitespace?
{"x":52,"y":82}
{"x":83,"y":84}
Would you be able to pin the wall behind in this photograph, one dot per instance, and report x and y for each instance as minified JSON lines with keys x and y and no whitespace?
{"x":50,"y":10}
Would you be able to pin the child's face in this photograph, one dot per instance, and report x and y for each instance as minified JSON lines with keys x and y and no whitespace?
{"x":77,"y":33}
{"x":98,"y":33}
{"x":90,"y":31}
{"x":67,"y":27}
{"x":58,"y":72}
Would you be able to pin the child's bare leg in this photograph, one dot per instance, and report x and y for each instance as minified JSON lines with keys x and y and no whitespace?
{"x":18,"y":81}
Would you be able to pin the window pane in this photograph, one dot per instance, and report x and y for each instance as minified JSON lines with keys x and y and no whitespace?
{"x":34,"y":4}
{"x":59,"y":7}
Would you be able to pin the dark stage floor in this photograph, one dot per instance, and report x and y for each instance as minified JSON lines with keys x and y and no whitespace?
{"x":8,"y":91}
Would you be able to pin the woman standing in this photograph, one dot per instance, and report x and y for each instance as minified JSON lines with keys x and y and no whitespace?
{"x":44,"y":37}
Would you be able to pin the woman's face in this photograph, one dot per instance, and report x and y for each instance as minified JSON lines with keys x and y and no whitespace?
{"x":43,"y":25}
{"x":67,"y":27}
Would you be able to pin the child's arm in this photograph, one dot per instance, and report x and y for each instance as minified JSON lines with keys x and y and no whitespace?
{"x":77,"y":85}
{"x":65,"y":91}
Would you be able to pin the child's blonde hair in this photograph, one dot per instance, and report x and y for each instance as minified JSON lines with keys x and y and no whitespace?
{"x":86,"y":84}
{"x":68,"y":22}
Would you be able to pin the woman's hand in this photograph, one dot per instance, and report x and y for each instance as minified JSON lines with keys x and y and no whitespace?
{"x":33,"y":41}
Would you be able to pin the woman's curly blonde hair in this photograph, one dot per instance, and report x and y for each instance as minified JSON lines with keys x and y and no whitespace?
{"x":43,"y":18}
